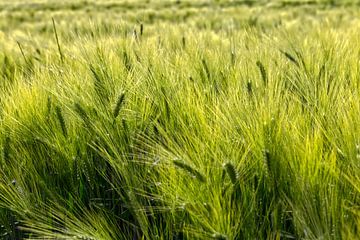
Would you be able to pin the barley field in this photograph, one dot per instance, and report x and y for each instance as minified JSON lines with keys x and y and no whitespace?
{"x":179,"y":120}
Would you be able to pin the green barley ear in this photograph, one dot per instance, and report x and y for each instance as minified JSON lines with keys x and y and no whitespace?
{"x":290,"y":57}
{"x":321,"y":73}
{"x":119,"y":104}
{"x":99,"y":84}
{"x":61,"y":120}
{"x":231,"y":171}
{"x":189,"y":169}
{"x":206,"y":68}
{"x":262,"y":72}
{"x":167,"y":109}
{"x":127,"y":61}
{"x":141,"y":29}
{"x":48,"y":107}
{"x":249,"y":88}
{"x":82,"y":113}
{"x":6,"y":149}
{"x":267,"y":161}
{"x":126,"y":130}
{"x":233,"y":58}
{"x":167,"y":106}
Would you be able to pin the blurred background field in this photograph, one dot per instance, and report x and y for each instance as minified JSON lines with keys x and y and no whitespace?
{"x":33,"y":18}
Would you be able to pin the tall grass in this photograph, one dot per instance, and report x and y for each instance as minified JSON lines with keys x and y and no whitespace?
{"x":211,"y":128}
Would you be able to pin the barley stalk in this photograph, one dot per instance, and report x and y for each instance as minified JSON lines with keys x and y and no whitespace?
{"x":57,"y":41}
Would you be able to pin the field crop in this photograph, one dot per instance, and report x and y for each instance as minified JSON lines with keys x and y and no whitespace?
{"x":179,"y":120}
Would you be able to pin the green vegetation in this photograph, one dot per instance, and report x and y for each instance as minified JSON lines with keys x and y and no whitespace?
{"x":179,"y":120}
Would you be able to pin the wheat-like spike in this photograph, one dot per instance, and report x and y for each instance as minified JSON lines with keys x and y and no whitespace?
{"x":61,"y":120}
{"x":249,"y":88}
{"x":301,"y":58}
{"x":141,"y":29}
{"x":167,"y":109}
{"x":231,"y":171}
{"x":206,"y":68}
{"x":127,"y":61}
{"x":262,"y":72}
{"x":119,"y":104}
{"x":233,"y":58}
{"x":82,"y":113}
{"x":321,"y":74}
{"x":267,"y":161}
{"x":99,"y":84}
{"x":48,"y":106}
{"x":190,"y":170}
{"x":290,"y":57}
{"x":97,"y":77}
{"x":126,"y":130}
{"x":6,"y":149}
{"x":125,"y":125}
